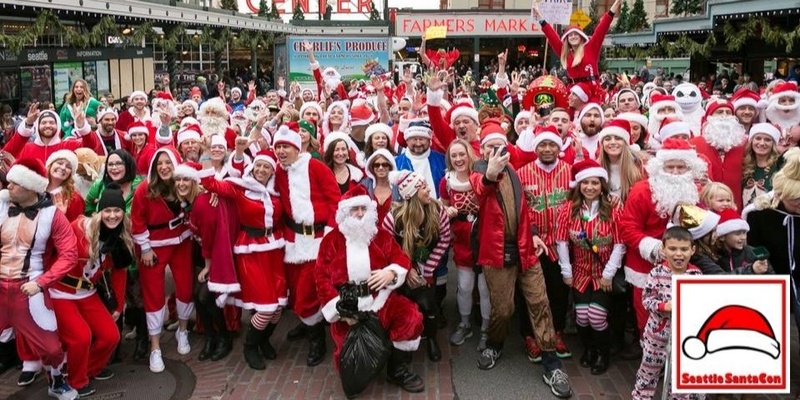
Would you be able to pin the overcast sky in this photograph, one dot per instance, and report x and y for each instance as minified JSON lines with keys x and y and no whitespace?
{"x":426,"y":4}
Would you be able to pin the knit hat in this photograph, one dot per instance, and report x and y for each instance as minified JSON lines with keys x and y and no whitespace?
{"x":677,"y":149}
{"x":378,"y":127}
{"x":236,"y":89}
{"x":582,"y":90}
{"x":784,"y":89}
{"x":190,"y":132}
{"x":587,"y":169}
{"x":671,"y":127}
{"x":406,"y":182}
{"x":767,"y":129}
{"x":68,"y":155}
{"x":586,"y":109}
{"x":548,"y":132}
{"x":188,"y":169}
{"x":617,"y":127}
{"x":361,"y":115}
{"x":29,"y":173}
{"x":698,"y":221}
{"x":574,"y":29}
{"x":733,"y":327}
{"x":284,"y":135}
{"x":309,"y":126}
{"x":136,"y":128}
{"x":462,"y":109}
{"x":170,"y":151}
{"x":730,"y":221}
{"x":745,"y":97}
{"x":715,"y":105}
{"x":491,"y":129}
{"x":219,"y":140}
{"x":111,"y":197}
{"x":418,"y":128}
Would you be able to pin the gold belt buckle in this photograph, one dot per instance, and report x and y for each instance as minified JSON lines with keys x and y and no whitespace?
{"x":308,"y":230}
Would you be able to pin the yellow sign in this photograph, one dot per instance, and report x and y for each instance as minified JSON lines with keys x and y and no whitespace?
{"x":580,"y":18}
{"x":436,"y":32}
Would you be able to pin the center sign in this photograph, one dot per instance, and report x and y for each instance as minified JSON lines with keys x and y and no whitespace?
{"x":469,"y":24}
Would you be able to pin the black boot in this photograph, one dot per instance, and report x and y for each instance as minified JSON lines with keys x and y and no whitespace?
{"x":142,"y":348}
{"x":266,"y":348}
{"x":8,"y":356}
{"x":589,"y":351}
{"x":603,"y":342}
{"x":298,"y":332}
{"x":251,"y":340}
{"x":224,"y":345}
{"x":208,"y":347}
{"x":441,"y":293}
{"x":434,"y":353}
{"x":316,"y":344}
{"x":397,"y":372}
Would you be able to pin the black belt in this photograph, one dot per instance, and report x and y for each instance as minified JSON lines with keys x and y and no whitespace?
{"x":308,"y":230}
{"x":77,"y":283}
{"x":359,"y":289}
{"x":256,"y":232}
{"x":171,"y":224}
{"x":466,"y":217}
{"x":590,"y":78}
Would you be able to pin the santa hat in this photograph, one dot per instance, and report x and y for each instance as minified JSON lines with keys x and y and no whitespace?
{"x":337,"y":135}
{"x":406,"y":182}
{"x":766,"y":129}
{"x":265,"y":155}
{"x":191,"y":103}
{"x":659,"y":101}
{"x":733,"y":327}
{"x":698,"y":221}
{"x":582,"y":90}
{"x":491,"y":129}
{"x":284,"y":135}
{"x":574,"y":29}
{"x":107,"y":111}
{"x":378,"y":127}
{"x":68,"y":155}
{"x":586,"y":109}
{"x":345,"y":115}
{"x":677,"y":149}
{"x":136,"y":128}
{"x":236,"y":89}
{"x":170,"y":151}
{"x":190,"y":132}
{"x":587,"y":169}
{"x":784,"y":89}
{"x":418,"y":128}
{"x":357,"y":196}
{"x":137,"y":93}
{"x":361,"y":115}
{"x":549,"y":132}
{"x":195,"y":91}
{"x":188,"y":169}
{"x":634,"y":117}
{"x":521,"y":115}
{"x":311,"y":104}
{"x":29,"y":173}
{"x":303,"y":92}
{"x":730,"y":221}
{"x":617,"y":127}
{"x":460,"y":110}
{"x":745,"y":97}
{"x":671,"y":127}
{"x":189,"y":121}
{"x":219,"y":140}
{"x":715,"y":105}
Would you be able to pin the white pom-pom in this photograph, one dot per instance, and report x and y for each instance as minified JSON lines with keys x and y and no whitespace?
{"x":694,"y":348}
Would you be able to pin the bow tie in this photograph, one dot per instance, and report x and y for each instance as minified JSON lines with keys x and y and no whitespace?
{"x":31,"y":213}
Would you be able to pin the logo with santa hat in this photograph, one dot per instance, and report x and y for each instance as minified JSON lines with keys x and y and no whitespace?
{"x":733,"y":327}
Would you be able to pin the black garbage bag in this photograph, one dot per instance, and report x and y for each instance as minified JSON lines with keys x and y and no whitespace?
{"x":364,"y":353}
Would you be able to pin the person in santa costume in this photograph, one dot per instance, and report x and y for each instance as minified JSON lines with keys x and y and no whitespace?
{"x":590,"y":121}
{"x":783,"y":107}
{"x":459,"y":122}
{"x":378,"y":136}
{"x":359,"y":255}
{"x":661,"y":108}
{"x":159,"y":229}
{"x":579,"y":53}
{"x":640,"y":137}
{"x":224,"y":165}
{"x":189,"y":143}
{"x":87,"y":327}
{"x":45,"y":128}
{"x":142,"y":147}
{"x":676,"y":250}
{"x":258,"y":251}
{"x":213,"y":118}
{"x":650,"y":204}
{"x":41,"y":234}
{"x":61,"y":167}
{"x":627,"y":101}
{"x":329,"y":81}
{"x":214,"y":224}
{"x":723,"y":144}
{"x":746,"y":107}
{"x":308,"y":195}
{"x":761,"y":161}
{"x":589,"y":253}
{"x":109,"y":138}
{"x":137,"y":113}
{"x":336,"y":118}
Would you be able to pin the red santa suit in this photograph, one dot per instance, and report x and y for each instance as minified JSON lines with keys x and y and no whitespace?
{"x":157,"y":226}
{"x":461,"y":196}
{"x":116,"y":142}
{"x":587,"y":69}
{"x":86,"y":328}
{"x":20,"y":147}
{"x":143,"y":155}
{"x":340,"y":90}
{"x":724,"y":167}
{"x":129,"y":116}
{"x":345,"y":259}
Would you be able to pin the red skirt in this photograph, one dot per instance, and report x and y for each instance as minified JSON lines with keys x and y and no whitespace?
{"x":462,"y":249}
{"x":263,"y":280}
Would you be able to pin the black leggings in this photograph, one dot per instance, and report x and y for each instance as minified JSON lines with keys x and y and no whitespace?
{"x":211,"y":316}
{"x":557,"y":292}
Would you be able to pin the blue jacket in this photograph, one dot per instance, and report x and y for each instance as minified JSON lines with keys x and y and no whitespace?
{"x":436,"y":161}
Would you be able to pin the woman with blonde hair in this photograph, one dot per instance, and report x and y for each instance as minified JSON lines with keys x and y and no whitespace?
{"x":61,"y":168}
{"x":761,"y":161}
{"x":78,"y":100}
{"x":616,"y":157}
{"x":421,"y":227}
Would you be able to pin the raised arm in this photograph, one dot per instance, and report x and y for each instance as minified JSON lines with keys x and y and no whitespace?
{"x":549,"y":32}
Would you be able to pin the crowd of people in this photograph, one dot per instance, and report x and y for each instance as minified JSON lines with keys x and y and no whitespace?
{"x":574,"y":208}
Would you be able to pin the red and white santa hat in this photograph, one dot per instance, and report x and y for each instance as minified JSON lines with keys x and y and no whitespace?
{"x":171,"y":152}
{"x":574,"y":29}
{"x":64,"y":154}
{"x":265,"y":155}
{"x":634,"y":117}
{"x":191,"y":103}
{"x":462,"y":109}
{"x":376,"y":128}
{"x":284,"y":135}
{"x":549,"y":132}
{"x":137,"y":93}
{"x":590,"y":106}
{"x":659,"y":101}
{"x":582,"y":90}
{"x":137,"y":128}
{"x":189,"y":169}
{"x":219,"y":140}
{"x":784,"y":89}
{"x":491,"y":129}
{"x":338,"y":135}
{"x":188,"y":121}
{"x":311,"y":104}
{"x":618,"y":127}
{"x":361,"y":115}
{"x":767,"y":129}
{"x":745,"y":97}
{"x":521,"y":115}
{"x":29,"y":173}
{"x":627,"y":90}
{"x":677,"y":149}
{"x":587,"y":169}
{"x":189,"y":132}
{"x":355,"y":197}
{"x":406,"y":182}
{"x":714,"y":105}
{"x":671,"y":127}
{"x":733,"y":327}
{"x":730,"y":221}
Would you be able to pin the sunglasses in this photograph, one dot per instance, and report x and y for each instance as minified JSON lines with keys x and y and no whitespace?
{"x":379,"y":165}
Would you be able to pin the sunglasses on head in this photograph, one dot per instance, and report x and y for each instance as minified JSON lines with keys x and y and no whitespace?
{"x":378,"y":165}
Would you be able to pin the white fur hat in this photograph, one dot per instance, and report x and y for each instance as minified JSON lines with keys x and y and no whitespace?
{"x":767,"y":129}
{"x":30,"y":174}
{"x":378,"y":127}
{"x":68,"y":155}
{"x":284,"y":135}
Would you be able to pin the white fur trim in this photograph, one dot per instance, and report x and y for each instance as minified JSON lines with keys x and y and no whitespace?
{"x":526,"y":141}
{"x":345,"y":205}
{"x":262,"y":157}
{"x":313,"y":319}
{"x":358,"y":261}
{"x":648,"y":248}
{"x":300,"y":190}
{"x":417,"y":131}
{"x":723,"y":339}
{"x":224,"y":287}
{"x":207,"y":173}
{"x":68,"y":155}
{"x":745,"y":101}
{"x":287,"y":136}
{"x":28,"y":179}
{"x":266,"y":308}
{"x":688,"y":156}
{"x":574,"y":30}
{"x":401,"y":275}
{"x":766,"y":129}
{"x":219,"y":140}
{"x":541,"y":137}
{"x":434,"y":97}
{"x":407,"y":345}
{"x":595,"y":172}
{"x":521,"y":115}
{"x":493,"y":136}
{"x":708,"y":224}
{"x":311,"y":104}
{"x":44,"y":317}
{"x":139,"y":130}
{"x":634,"y":117}
{"x":260,"y":247}
{"x":674,"y":128}
{"x":188,"y":134}
{"x":376,"y":128}
{"x":580,"y":93}
{"x":615,"y":131}
{"x":337,"y":135}
{"x":462,"y":111}
{"x":303,"y":249}
{"x":185,"y":171}
{"x":635,"y":278}
{"x":329,"y":310}
{"x":137,"y":93}
{"x":732,"y":226}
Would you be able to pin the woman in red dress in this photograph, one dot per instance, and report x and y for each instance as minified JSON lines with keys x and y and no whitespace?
{"x":378,"y":167}
{"x":337,"y":156}
{"x":258,"y":251}
{"x":61,"y":167}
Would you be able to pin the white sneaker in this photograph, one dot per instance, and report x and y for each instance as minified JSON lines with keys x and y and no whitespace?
{"x":156,"y":362}
{"x":182,"y":336}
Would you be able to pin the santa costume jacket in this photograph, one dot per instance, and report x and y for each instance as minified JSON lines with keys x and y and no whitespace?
{"x":460,"y":196}
{"x":591,"y":50}
{"x":641,"y":229}
{"x":119,"y":142}
{"x":20,"y":145}
{"x":726,"y":168}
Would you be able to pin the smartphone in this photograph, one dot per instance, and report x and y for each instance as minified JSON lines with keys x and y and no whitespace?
{"x":761,"y":253}
{"x":502,"y":149}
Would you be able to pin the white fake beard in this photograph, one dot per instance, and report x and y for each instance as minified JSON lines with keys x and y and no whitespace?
{"x":724,"y":132}
{"x":359,"y":231}
{"x":667,"y":191}
{"x":213,"y":126}
{"x":332,"y":81}
{"x":778,"y":115}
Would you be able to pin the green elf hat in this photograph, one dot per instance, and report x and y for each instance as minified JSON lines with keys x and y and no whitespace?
{"x":490,"y":99}
{"x":309,"y":126}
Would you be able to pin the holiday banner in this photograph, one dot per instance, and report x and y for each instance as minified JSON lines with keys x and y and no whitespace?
{"x":353,"y":58}
{"x":556,"y":12}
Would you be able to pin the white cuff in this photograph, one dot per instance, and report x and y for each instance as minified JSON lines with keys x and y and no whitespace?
{"x":24,"y":131}
{"x":207,"y":173}
{"x":435,"y":97}
{"x":84,"y":130}
{"x":329,"y":310}
{"x":648,"y":248}
{"x":610,"y":270}
{"x":562,"y":248}
{"x":314,"y":65}
{"x":281,"y":93}
{"x":401,"y":275}
{"x":501,"y":80}
{"x":526,"y":140}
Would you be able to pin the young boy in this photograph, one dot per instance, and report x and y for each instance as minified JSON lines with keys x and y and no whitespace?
{"x":677,"y":249}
